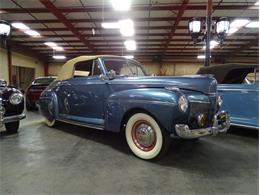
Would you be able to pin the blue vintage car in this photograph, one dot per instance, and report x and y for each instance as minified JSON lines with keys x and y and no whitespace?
{"x":239,"y":89}
{"x":114,"y":94}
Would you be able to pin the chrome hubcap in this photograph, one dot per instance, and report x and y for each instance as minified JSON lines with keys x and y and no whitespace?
{"x":144,"y":136}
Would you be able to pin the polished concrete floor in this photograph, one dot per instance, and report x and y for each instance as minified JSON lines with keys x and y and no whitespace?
{"x":77,"y":160}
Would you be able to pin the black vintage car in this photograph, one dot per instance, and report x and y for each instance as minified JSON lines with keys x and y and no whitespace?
{"x":11,"y":107}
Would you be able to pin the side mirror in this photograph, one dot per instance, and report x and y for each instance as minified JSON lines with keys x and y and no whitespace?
{"x":111,"y":74}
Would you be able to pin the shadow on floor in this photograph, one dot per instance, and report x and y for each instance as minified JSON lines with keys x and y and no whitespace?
{"x":213,"y":155}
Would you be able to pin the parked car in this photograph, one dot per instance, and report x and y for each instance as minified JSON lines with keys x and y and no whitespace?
{"x":11,"y":107}
{"x":238,"y":86}
{"x":34,"y":91}
{"x":114,"y":94}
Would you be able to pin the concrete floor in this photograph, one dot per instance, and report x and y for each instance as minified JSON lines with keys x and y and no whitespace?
{"x":74,"y":160}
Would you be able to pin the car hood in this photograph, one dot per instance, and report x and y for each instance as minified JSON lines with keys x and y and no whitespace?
{"x":205,"y":84}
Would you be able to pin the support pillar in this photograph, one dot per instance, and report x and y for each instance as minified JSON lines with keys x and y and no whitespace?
{"x":208,"y":32}
{"x":9,"y":63}
{"x":46,"y":69}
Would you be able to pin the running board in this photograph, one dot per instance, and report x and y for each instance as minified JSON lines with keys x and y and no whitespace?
{"x":99,"y":127}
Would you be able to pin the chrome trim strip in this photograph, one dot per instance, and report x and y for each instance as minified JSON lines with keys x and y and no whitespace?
{"x":245,"y":126}
{"x":201,"y":102}
{"x":146,"y":101}
{"x":80,"y":124}
{"x":14,"y":118}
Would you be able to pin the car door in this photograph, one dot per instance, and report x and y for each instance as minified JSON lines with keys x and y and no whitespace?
{"x":82,"y":97}
{"x":241,"y":101}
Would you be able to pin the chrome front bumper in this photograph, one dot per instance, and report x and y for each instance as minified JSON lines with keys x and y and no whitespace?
{"x":10,"y":119}
{"x":221,"y":124}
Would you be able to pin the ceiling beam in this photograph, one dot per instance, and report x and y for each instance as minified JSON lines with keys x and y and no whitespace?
{"x":136,"y":35}
{"x":242,"y":48}
{"x":62,"y":19}
{"x":134,"y":8}
{"x":119,"y":41}
{"x":99,"y":20}
{"x":176,"y":23}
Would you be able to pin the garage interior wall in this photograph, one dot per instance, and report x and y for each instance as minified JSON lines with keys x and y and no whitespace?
{"x":19,"y":60}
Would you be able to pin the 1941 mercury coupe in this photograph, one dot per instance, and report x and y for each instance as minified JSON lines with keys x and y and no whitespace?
{"x":11,"y":107}
{"x":114,"y":94}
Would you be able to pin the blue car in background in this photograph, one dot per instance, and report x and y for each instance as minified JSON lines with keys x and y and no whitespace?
{"x":239,"y":88}
{"x":114,"y":94}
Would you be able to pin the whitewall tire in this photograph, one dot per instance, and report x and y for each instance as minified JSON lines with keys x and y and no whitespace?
{"x":145,"y":137}
{"x":50,"y":122}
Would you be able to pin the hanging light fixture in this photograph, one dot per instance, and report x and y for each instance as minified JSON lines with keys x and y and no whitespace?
{"x":5,"y":31}
{"x":195,"y":29}
{"x":222,"y":28}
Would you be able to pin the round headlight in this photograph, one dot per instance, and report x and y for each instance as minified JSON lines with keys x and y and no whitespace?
{"x":16,"y":98}
{"x":219,"y":101}
{"x":183,"y":103}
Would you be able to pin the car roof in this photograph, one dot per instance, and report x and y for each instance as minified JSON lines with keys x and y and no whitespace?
{"x":229,"y":73}
{"x":67,"y":69}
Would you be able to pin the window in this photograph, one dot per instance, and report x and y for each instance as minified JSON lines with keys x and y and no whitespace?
{"x":123,"y":67}
{"x":87,"y":68}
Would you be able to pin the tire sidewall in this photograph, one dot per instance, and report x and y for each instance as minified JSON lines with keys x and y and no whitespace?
{"x":147,"y":155}
{"x":50,"y":123}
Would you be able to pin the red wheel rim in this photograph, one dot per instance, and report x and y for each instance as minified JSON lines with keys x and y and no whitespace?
{"x":143,"y":135}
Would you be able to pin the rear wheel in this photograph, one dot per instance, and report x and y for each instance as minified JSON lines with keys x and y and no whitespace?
{"x":12,"y":127}
{"x":145,"y":137}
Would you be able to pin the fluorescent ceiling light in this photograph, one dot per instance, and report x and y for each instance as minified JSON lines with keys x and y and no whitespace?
{"x":59,"y":57}
{"x":130,"y":45}
{"x":20,"y":26}
{"x":51,"y":44}
{"x":257,"y":3}
{"x":32,"y":33}
{"x":239,"y":23}
{"x":129,"y":57}
{"x":232,"y":30}
{"x":126,"y":27}
{"x":253,"y":24}
{"x":58,"y":48}
{"x":109,"y":25}
{"x":120,"y":5}
{"x":201,"y":56}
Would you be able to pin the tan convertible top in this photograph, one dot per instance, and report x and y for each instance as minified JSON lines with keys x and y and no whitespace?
{"x":67,"y":69}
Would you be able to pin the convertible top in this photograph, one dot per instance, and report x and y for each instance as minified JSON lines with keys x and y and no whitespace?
{"x":68,"y":68}
{"x":229,"y":73}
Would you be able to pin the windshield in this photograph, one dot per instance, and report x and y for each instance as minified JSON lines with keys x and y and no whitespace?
{"x":43,"y":81}
{"x":123,"y":67}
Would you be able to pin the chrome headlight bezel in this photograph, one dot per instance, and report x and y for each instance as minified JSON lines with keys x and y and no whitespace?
{"x":219,"y":101}
{"x":183,"y":103}
{"x":16,"y":98}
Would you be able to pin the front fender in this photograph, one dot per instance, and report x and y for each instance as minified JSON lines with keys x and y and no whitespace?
{"x":49,"y":104}
{"x":160,"y":103}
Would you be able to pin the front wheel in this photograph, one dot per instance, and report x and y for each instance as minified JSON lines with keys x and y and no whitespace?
{"x":12,"y":127}
{"x":145,"y":137}
{"x":50,"y":122}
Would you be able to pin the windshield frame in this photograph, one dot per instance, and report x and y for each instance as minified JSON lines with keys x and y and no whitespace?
{"x":138,"y":64}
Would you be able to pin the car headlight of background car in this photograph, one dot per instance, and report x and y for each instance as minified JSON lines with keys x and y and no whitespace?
{"x":183,"y":103}
{"x":16,"y":98}
{"x":219,"y":101}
